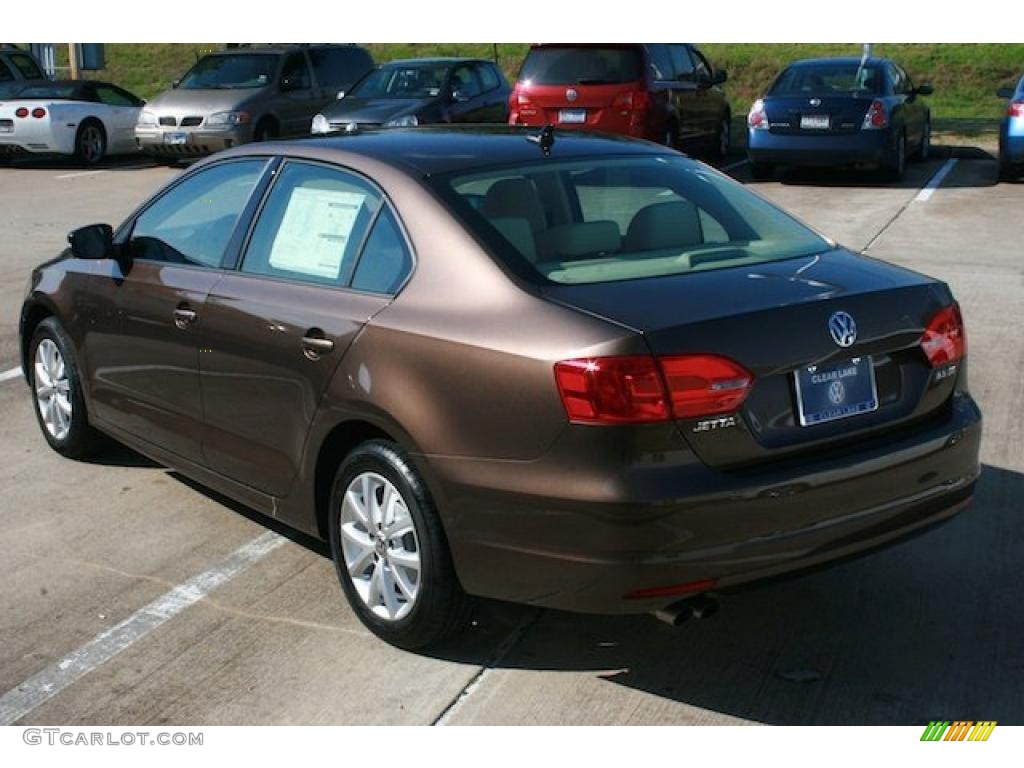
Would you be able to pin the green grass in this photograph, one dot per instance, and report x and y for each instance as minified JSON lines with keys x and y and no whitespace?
{"x":965,"y":76}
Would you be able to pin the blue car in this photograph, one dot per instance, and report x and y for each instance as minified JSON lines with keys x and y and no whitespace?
{"x":1011,"y":133}
{"x":862,"y":112}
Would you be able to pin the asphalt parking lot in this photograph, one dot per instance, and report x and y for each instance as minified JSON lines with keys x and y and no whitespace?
{"x":928,"y":629}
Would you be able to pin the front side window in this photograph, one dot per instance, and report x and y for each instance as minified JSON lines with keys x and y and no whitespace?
{"x":464,"y":83}
{"x":400,"y":81}
{"x":630,"y":218}
{"x":829,"y":78}
{"x":660,"y":61}
{"x":295,"y":72}
{"x":682,"y":64}
{"x":115,"y":97}
{"x":193,"y":222}
{"x":312,"y":226}
{"x":582,"y":65}
{"x":230,"y":71}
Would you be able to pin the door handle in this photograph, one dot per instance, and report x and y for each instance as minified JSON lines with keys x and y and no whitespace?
{"x":184,"y":317}
{"x":315,"y":346}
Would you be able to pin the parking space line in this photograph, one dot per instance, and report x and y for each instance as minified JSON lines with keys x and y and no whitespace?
{"x":78,"y":174}
{"x":44,"y":685}
{"x":14,"y":373}
{"x":935,"y":181}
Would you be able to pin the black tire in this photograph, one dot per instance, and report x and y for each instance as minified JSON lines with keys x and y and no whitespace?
{"x":441,"y":607}
{"x":265,"y":130}
{"x":81,"y":440}
{"x":90,"y":142}
{"x":924,"y":149}
{"x":762,"y":171}
{"x":671,"y":138}
{"x":896,"y":167}
{"x":723,"y":140}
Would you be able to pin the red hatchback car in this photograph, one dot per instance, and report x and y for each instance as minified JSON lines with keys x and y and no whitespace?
{"x":664,"y":92}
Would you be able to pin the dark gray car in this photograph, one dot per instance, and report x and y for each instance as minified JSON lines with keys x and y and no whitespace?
{"x":420,"y":91}
{"x":247,"y":94}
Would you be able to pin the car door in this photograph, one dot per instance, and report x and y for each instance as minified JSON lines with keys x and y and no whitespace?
{"x":324,"y":256}
{"x":120,"y":115}
{"x":710,"y":100}
{"x":466,"y":103}
{"x":494,"y":106}
{"x":145,"y":370}
{"x":298,"y":97}
{"x":684,"y":98}
{"x":914,"y":110}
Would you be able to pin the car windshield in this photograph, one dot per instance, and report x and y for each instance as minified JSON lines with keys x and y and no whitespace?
{"x":585,"y":65}
{"x":230,"y":71}
{"x":824,"y":79}
{"x":406,"y":81}
{"x":623,"y":218}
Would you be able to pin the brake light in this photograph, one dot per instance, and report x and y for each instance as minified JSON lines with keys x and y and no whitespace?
{"x":758,"y":118}
{"x":38,"y":112}
{"x":705,"y":385}
{"x":876,"y":116}
{"x":945,"y":339}
{"x":637,"y":389}
{"x":638,"y":101}
{"x":522,"y":99}
{"x":1016,"y":109}
{"x":21,"y":112}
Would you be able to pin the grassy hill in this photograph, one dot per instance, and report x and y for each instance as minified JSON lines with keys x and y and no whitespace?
{"x":965,"y":76}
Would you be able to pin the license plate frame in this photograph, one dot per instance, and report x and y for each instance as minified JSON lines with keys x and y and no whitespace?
{"x":821,"y":391}
{"x":572,"y":116}
{"x":175,"y":138}
{"x":815,"y":122}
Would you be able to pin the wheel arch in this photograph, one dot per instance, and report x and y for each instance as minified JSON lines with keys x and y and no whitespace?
{"x":32,"y":315}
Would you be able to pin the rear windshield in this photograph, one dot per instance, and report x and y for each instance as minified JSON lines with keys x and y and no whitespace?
{"x":623,"y":218}
{"x":230,"y":71}
{"x":559,"y":65}
{"x":825,"y":79}
{"x":416,"y":81}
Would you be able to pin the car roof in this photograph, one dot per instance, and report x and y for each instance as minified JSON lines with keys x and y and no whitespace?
{"x":433,"y":60}
{"x":871,"y":61}
{"x":277,"y":49}
{"x":430,"y":150}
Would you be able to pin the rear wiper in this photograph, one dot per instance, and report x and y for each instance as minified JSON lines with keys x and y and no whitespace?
{"x":595,"y":81}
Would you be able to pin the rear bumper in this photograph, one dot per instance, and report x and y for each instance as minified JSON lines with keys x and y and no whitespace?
{"x":198,"y":142}
{"x":1011,"y":144}
{"x":865,"y":148}
{"x":673,"y":521}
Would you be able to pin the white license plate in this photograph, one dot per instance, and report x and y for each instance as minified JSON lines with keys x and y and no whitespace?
{"x":814,"y":122}
{"x":6,"y":126}
{"x":572,"y":115}
{"x":175,"y":138}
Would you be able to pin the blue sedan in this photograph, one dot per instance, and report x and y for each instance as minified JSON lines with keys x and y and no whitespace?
{"x":840,"y":111}
{"x":1011,"y":133}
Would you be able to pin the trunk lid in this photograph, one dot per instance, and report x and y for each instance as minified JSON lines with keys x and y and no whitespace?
{"x":816,"y":115}
{"x":773,"y":319}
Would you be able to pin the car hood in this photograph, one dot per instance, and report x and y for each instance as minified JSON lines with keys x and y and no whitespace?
{"x":204,"y":102}
{"x":356,"y":110}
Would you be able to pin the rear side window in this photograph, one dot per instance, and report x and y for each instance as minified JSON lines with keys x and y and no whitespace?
{"x":27,"y":66}
{"x":296,"y":72}
{"x":339,"y":67}
{"x":6,"y":75}
{"x":682,"y":64}
{"x":488,"y":77}
{"x":464,"y":81}
{"x":312,"y":226}
{"x":660,"y":61}
{"x":385,"y":260}
{"x":193,"y":222}
{"x":584,"y":65}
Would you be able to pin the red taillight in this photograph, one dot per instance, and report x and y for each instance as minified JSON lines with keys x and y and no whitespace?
{"x":21,"y":112}
{"x":758,"y":118}
{"x":38,"y":112}
{"x":638,"y":101}
{"x":876,"y":116}
{"x":624,"y":390}
{"x":1016,"y":109}
{"x":691,"y":588}
{"x":612,"y":390}
{"x":945,"y":340}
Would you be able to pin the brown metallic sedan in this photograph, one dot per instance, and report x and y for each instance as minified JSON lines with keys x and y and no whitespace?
{"x":567,"y":370}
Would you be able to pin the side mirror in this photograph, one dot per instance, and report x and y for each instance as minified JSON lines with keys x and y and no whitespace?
{"x":1005,"y":93}
{"x":341,"y":95}
{"x":720,"y":77}
{"x":95,"y":241}
{"x":924,"y":89}
{"x":175,"y":83}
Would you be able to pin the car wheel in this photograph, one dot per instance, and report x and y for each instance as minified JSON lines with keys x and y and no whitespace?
{"x":90,"y":142}
{"x":724,"y":140}
{"x":265,"y":130}
{"x":897,"y":166}
{"x":57,"y":390}
{"x":926,"y":143}
{"x":390,"y":551}
{"x":762,"y":171}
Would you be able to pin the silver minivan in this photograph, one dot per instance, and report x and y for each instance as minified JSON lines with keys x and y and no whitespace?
{"x":247,"y":94}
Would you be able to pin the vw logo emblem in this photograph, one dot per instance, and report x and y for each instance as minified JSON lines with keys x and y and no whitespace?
{"x":836,"y":392}
{"x":843,"y":329}
{"x":815,"y":102}
{"x":571,"y":94}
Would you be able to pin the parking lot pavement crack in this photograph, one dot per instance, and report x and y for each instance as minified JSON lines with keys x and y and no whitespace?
{"x":503,"y":650}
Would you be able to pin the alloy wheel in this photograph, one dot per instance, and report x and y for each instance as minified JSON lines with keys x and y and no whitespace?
{"x":380,"y":546}
{"x":91,"y":144}
{"x":53,"y":389}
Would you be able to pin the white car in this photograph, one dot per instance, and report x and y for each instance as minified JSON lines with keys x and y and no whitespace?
{"x":84,"y":118}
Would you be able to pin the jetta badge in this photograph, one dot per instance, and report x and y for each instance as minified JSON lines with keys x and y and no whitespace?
{"x":843,"y":329}
{"x":815,"y":102}
{"x":571,"y":94}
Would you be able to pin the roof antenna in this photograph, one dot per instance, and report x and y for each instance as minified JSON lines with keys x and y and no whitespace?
{"x":545,"y":139}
